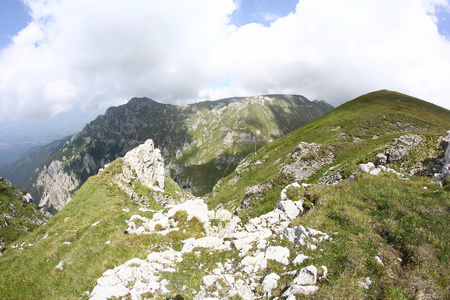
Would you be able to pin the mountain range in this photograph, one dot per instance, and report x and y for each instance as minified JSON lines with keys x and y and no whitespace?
{"x":200,"y":143}
{"x":352,"y":204}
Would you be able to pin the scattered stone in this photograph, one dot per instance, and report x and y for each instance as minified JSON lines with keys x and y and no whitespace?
{"x":336,"y":128}
{"x":403,"y":145}
{"x":445,"y":141}
{"x":278,"y":253}
{"x":324,"y":273}
{"x":305,"y":160}
{"x":300,"y":259}
{"x":378,"y":260}
{"x":365,"y":283}
{"x":205,"y":242}
{"x":299,"y":289}
{"x":137,"y":277}
{"x":60,"y":266}
{"x":270,"y":283}
{"x":380,"y":160}
{"x":365,"y":168}
{"x":290,"y":208}
{"x":307,"y":275}
{"x":223,"y":214}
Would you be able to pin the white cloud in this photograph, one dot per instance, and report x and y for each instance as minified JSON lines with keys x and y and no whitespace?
{"x":95,"y":53}
{"x":337,"y":50}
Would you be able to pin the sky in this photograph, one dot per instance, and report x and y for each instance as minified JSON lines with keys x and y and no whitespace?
{"x":57,"y":56}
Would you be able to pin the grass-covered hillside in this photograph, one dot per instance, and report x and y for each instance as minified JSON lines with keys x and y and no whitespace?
{"x":351,"y":134}
{"x":77,"y":236}
{"x":372,"y":236}
{"x":18,"y":216}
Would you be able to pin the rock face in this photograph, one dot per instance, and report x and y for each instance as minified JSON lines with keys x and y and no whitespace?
{"x":57,"y":183}
{"x":148,"y":165}
{"x":200,"y":143}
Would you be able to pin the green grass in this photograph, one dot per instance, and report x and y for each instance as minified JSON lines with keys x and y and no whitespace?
{"x":18,"y":218}
{"x":30,"y":273}
{"x":386,"y":217}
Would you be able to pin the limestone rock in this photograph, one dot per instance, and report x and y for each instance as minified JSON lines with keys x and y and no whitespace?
{"x":205,"y":242}
{"x":365,"y":283}
{"x":223,"y":214}
{"x":270,"y":283}
{"x":299,"y":259}
{"x":194,"y":208}
{"x":147,"y":163}
{"x":60,"y":266}
{"x":289,"y":208}
{"x":403,"y":145}
{"x":278,"y":253}
{"x":58,"y":185}
{"x":365,"y":168}
{"x":300,"y":289}
{"x":27,"y":198}
{"x":445,"y":141}
{"x":308,"y":275}
{"x":380,"y":160}
{"x":305,"y":160}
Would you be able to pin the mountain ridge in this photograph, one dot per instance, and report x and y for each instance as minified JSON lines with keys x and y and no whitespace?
{"x":196,"y":139}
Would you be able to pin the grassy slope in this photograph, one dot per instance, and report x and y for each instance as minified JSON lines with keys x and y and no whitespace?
{"x":20,"y":216}
{"x":397,"y":220}
{"x":366,"y":116}
{"x":31,"y":271}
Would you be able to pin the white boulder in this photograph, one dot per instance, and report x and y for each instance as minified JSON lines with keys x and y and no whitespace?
{"x":278,"y":253}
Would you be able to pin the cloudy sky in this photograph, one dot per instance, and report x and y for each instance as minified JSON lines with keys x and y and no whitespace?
{"x":87,"y":54}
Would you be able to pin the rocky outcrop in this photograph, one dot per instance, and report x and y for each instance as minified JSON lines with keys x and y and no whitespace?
{"x":145,"y":164}
{"x":371,"y":169}
{"x":403,"y":146}
{"x":254,"y":241}
{"x":306,"y":160}
{"x":445,"y":144}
